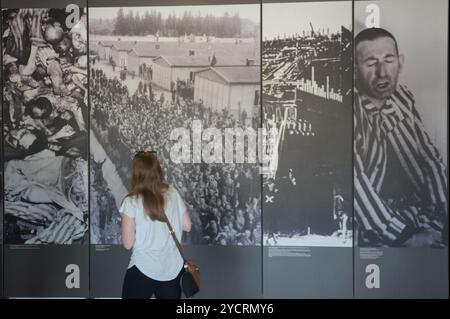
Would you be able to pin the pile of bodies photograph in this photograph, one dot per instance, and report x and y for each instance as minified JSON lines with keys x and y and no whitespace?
{"x":45,"y":118}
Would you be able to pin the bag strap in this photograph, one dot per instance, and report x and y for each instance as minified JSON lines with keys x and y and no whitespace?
{"x":172,"y":232}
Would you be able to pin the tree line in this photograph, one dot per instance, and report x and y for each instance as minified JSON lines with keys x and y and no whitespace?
{"x":152,"y":23}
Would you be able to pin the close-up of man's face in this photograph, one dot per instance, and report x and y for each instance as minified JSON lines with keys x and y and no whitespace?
{"x":378,"y":66}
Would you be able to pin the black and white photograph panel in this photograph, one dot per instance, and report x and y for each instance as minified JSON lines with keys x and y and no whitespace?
{"x":307,"y":84}
{"x":1,"y":184}
{"x":1,"y":170}
{"x":159,"y":71}
{"x":44,"y":126}
{"x":401,"y":123}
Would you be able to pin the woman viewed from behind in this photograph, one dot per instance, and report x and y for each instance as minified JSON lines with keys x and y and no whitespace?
{"x":156,"y":265}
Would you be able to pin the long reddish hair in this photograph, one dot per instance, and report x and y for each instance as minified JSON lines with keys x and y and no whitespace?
{"x":148,"y":181}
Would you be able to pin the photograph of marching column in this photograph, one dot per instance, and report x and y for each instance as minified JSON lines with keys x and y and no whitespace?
{"x":157,"y":69}
{"x":172,"y":79}
{"x":45,"y":147}
{"x":400,"y":148}
{"x":1,"y":196}
{"x":307,"y":96}
{"x":307,"y":204}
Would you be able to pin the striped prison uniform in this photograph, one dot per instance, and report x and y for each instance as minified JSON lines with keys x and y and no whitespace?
{"x":44,"y":54}
{"x":397,"y":126}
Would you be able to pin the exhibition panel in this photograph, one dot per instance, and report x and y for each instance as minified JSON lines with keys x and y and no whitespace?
{"x":400,"y":150}
{"x":45,"y":143}
{"x":307,"y":191}
{"x":184,"y":81}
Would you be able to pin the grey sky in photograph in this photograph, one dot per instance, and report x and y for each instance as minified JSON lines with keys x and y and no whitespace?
{"x":291,"y":18}
{"x":248,"y":11}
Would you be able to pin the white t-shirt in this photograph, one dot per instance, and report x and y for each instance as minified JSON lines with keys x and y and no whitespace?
{"x":154,"y":251}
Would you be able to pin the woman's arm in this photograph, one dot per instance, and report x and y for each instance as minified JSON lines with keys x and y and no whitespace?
{"x":128,"y":231}
{"x":187,"y":224}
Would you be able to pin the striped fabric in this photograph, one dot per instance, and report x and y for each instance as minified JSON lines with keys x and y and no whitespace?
{"x":61,"y":227}
{"x":399,"y":124}
{"x":38,"y":193}
{"x":44,"y":54}
{"x":62,"y":231}
{"x":39,"y":214}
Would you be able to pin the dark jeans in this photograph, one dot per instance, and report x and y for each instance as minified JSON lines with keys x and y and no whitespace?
{"x":136,"y":285}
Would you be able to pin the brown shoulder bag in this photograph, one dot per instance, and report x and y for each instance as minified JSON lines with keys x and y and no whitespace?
{"x":190,"y":280}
